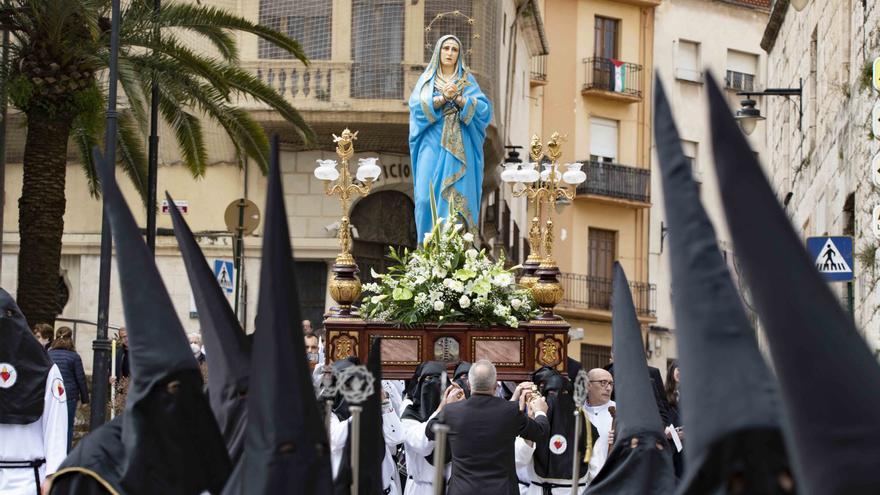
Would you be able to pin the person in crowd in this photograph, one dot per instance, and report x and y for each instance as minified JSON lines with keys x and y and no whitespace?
{"x":552,"y":462}
{"x":482,"y":433}
{"x":64,"y":355}
{"x":426,"y":399}
{"x":33,"y":413}
{"x":673,"y":375}
{"x":392,"y":432}
{"x":195,"y":345}
{"x":307,"y":327}
{"x":600,"y":384}
{"x":123,"y":369}
{"x":44,"y":333}
{"x":312,"y":357}
{"x":460,"y":377}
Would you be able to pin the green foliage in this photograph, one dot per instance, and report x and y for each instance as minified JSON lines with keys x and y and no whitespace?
{"x":866,"y":75}
{"x":867,"y":257}
{"x":60,"y":45}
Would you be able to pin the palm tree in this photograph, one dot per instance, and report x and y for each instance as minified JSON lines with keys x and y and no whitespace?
{"x":59,"y":50}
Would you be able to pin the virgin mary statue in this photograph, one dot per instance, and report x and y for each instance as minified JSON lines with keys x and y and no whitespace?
{"x":447,"y":125}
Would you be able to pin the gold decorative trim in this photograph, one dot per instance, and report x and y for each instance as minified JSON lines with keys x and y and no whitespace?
{"x":548,"y":350}
{"x":343,"y":345}
{"x":522,"y":350}
{"x":417,"y":338}
{"x":471,"y":111}
{"x":106,"y":484}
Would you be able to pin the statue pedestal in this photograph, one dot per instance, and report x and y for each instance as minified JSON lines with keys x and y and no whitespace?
{"x":516,"y":352}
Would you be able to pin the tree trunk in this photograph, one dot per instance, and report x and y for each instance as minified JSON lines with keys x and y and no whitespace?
{"x":41,"y":216}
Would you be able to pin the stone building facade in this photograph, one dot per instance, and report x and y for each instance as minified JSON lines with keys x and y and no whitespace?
{"x":821,"y":163}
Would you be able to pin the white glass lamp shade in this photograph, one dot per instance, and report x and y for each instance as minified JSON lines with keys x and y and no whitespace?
{"x":574,"y":175}
{"x":368,"y":169}
{"x":528,"y":174}
{"x":326,"y":170}
{"x":510,"y":172}
{"x":548,"y":168}
{"x":799,"y":4}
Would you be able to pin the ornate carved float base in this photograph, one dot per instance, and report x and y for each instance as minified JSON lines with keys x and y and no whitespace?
{"x":516,"y":352}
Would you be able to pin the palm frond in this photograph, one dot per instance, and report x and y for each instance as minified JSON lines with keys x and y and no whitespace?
{"x":130,"y":153}
{"x":168,"y":45}
{"x":196,"y":18}
{"x":85,"y":140}
{"x":187,"y":130}
{"x":248,"y":84}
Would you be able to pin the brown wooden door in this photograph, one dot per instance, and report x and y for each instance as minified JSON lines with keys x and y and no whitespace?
{"x":602,"y":253}
{"x":605,"y":48}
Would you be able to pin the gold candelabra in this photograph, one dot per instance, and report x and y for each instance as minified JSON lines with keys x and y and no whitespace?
{"x":545,"y":187}
{"x":345,"y":287}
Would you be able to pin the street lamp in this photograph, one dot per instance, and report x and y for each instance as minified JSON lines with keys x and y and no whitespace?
{"x":799,"y":4}
{"x":345,"y":288}
{"x":748,"y":116}
{"x":547,"y":187}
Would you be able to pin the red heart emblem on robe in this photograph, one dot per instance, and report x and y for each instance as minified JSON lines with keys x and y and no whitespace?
{"x":4,"y":374}
{"x":557,"y":444}
{"x":60,"y":389}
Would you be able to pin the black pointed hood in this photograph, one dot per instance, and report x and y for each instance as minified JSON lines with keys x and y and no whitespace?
{"x":814,"y":344}
{"x":727,"y":389}
{"x":372,"y":439}
{"x":286,"y":446}
{"x":24,"y":367}
{"x":170,"y":438}
{"x":228,"y":350}
{"x":640,"y":461}
{"x":426,"y":392}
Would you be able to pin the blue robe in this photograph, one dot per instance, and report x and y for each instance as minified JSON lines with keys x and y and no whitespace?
{"x":446,"y":148}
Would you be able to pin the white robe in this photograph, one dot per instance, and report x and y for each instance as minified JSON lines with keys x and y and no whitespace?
{"x":416,"y":446}
{"x":45,"y":438}
{"x":601,"y":419}
{"x":522,"y":456}
{"x":393,"y":433}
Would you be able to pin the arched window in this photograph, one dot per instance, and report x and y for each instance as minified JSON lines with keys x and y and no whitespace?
{"x":382,"y":219}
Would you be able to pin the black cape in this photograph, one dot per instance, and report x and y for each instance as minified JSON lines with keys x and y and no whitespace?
{"x":172,"y":444}
{"x":95,"y":465}
{"x":24,"y":363}
{"x":813,"y":343}
{"x":228,"y":350}
{"x":286,"y":447}
{"x":730,"y":403}
{"x":640,"y":461}
{"x":558,"y":390}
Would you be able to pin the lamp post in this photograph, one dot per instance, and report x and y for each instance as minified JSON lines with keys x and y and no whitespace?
{"x":101,"y":345}
{"x":345,"y":288}
{"x":748,"y":116}
{"x":515,"y":171}
{"x":544,"y":187}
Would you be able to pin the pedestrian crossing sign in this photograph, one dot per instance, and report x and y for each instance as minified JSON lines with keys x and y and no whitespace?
{"x":223,"y":271}
{"x":833,"y":257}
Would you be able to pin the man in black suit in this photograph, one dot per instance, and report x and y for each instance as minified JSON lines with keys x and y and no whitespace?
{"x":482,"y":431}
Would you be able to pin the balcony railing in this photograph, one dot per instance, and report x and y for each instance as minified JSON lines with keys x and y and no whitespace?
{"x":739,"y":81}
{"x":538,"y":68}
{"x":589,"y":292}
{"x":614,"y":76}
{"x":616,"y":181}
{"x":293,"y":80}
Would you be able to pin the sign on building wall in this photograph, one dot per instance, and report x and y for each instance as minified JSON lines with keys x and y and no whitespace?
{"x":182,"y":206}
{"x":833,"y":257}
{"x":225,"y":275}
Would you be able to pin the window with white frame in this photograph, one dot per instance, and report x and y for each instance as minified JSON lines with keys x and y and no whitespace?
{"x":603,"y":140}
{"x":688,"y":66}
{"x":742,"y":68}
{"x":690,"y":152}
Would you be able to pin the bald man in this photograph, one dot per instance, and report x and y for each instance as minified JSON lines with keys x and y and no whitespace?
{"x":600,"y":384}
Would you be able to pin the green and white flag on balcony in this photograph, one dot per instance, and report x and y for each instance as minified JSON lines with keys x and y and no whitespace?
{"x":619,"y":75}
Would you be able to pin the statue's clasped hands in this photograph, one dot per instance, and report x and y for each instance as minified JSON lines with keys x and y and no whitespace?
{"x":450,"y":91}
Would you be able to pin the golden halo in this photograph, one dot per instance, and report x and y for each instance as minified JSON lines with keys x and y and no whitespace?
{"x":455,"y":13}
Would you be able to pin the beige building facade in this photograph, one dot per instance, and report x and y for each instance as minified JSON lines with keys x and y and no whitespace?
{"x":820,"y":163}
{"x":726,"y":42}
{"x":365,"y":59}
{"x":597,"y":93}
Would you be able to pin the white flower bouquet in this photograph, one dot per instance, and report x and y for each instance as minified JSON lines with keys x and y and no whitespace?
{"x":447,"y":280}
